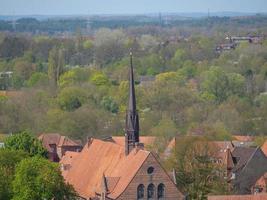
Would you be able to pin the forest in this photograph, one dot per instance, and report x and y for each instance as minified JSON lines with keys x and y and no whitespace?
{"x":77,"y":84}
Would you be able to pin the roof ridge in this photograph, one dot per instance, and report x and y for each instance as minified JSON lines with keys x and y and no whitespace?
{"x":251,"y":156}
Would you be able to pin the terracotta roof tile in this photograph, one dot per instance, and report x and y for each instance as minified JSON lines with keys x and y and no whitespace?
{"x":264,"y":148}
{"x":103,"y":157}
{"x":48,"y":139}
{"x":239,"y":197}
{"x":56,"y":139}
{"x":243,"y":138}
{"x":146,"y":140}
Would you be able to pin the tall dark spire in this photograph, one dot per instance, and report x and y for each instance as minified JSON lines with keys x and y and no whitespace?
{"x":132,"y":101}
{"x":132,"y":119}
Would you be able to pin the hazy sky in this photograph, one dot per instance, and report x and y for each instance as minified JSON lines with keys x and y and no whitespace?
{"x":59,"y":7}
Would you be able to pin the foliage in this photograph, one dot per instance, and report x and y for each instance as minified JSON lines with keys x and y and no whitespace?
{"x":71,"y":98}
{"x":98,"y":78}
{"x":38,"y":79}
{"x":196,"y":174}
{"x":109,"y":104}
{"x":8,"y":161}
{"x":26,"y":142}
{"x":38,"y":178}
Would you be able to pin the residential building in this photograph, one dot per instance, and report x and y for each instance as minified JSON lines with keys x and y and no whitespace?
{"x":58,"y":145}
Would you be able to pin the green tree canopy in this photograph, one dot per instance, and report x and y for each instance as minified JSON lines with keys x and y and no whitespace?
{"x":8,"y":160}
{"x":38,"y":178}
{"x":26,"y":142}
{"x":71,"y":98}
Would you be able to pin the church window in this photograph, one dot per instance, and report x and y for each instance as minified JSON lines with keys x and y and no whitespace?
{"x":161,"y":191}
{"x":140,"y":192}
{"x":150,"y":191}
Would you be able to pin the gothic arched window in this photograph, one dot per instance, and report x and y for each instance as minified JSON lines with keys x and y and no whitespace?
{"x":140,"y":191}
{"x":161,"y":191}
{"x":150,"y":191}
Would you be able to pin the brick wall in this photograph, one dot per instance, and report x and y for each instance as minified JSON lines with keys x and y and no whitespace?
{"x":158,"y":176}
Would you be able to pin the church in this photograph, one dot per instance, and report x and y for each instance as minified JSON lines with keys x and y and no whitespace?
{"x":106,"y":170}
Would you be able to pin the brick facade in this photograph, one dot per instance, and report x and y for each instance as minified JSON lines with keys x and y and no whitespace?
{"x":159,"y":176}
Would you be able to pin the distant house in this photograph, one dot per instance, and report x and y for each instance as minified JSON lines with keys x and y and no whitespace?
{"x":225,"y":47}
{"x":58,"y":145}
{"x":250,"y":164}
{"x":243,"y":141}
{"x":2,"y":144}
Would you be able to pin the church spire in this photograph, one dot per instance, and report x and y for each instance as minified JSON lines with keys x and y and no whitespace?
{"x":132,"y":119}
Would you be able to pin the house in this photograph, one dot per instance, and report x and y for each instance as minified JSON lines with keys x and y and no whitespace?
{"x":119,"y":168}
{"x":250,"y":164}
{"x":260,"y":185}
{"x":58,"y":145}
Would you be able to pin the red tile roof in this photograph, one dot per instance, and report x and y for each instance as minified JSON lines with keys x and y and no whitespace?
{"x":243,"y":138}
{"x":264,"y":148}
{"x":56,"y":139}
{"x":239,"y":197}
{"x":103,"y":157}
{"x":146,"y":140}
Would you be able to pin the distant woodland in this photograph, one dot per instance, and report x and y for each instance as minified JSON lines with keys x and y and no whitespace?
{"x":72,"y":78}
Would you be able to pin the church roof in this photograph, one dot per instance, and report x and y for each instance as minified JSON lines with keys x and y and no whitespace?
{"x":85,"y":171}
{"x":146,"y":140}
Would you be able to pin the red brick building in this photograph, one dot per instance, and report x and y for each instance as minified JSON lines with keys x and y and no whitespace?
{"x":57,"y":145}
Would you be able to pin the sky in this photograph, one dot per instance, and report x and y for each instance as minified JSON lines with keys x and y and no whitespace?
{"x":74,"y":7}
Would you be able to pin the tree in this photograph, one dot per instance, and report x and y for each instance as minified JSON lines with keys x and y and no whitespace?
{"x":215,"y":81}
{"x":37,"y":79}
{"x":26,"y":142}
{"x":73,"y":76}
{"x":71,"y":98}
{"x":8,"y":160}
{"x":56,"y":62}
{"x":98,"y":78}
{"x":38,"y":178}
{"x":109,"y":45}
{"x":197,"y":174}
{"x":109,"y":104}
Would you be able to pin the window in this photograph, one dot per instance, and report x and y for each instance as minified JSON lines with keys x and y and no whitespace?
{"x":161,"y":190}
{"x":150,"y":170}
{"x":140,"y":191}
{"x":150,"y":191}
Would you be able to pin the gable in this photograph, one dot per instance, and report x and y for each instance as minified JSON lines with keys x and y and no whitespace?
{"x":255,"y":167}
{"x":159,"y":176}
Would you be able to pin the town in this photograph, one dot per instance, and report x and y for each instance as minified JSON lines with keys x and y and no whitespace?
{"x":133,"y":100}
